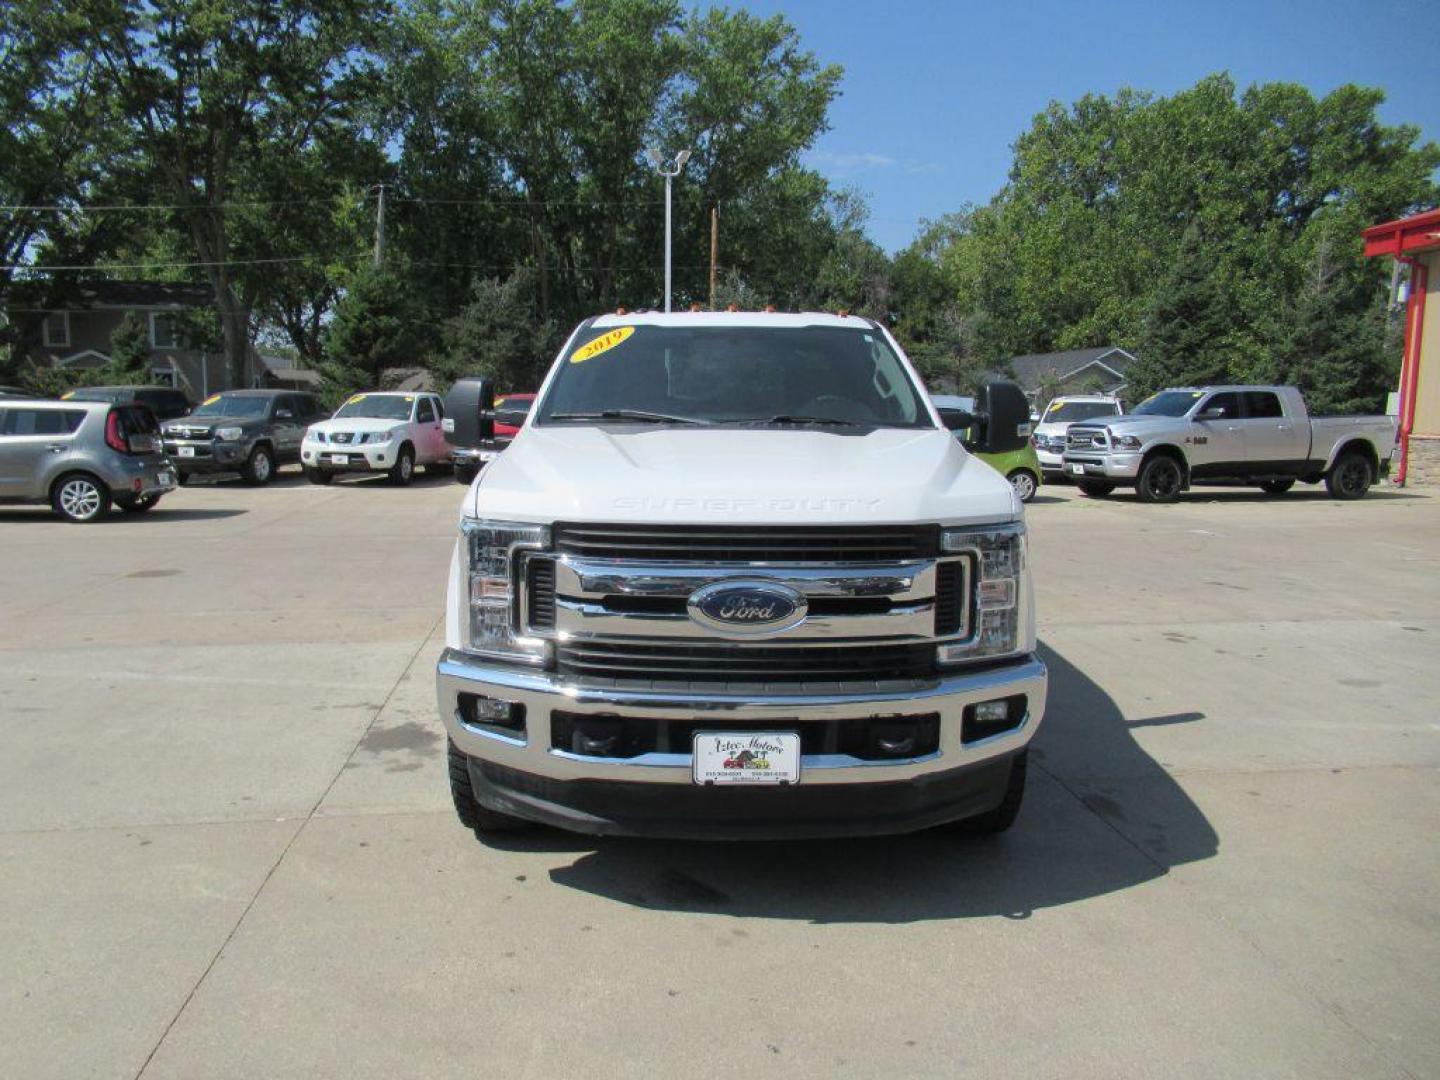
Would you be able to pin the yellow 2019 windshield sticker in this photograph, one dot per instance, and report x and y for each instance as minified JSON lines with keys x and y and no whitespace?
{"x":211,"y":399}
{"x":67,"y":395}
{"x":356,"y":399}
{"x":604,"y":343}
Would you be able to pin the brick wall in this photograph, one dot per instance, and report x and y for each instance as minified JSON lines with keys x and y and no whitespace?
{"x":1424,"y":470}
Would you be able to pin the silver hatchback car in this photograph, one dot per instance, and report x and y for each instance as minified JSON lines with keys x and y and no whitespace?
{"x":82,"y":457}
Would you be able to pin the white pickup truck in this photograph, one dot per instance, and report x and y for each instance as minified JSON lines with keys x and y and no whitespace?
{"x":1233,"y":435}
{"x":733,"y":578}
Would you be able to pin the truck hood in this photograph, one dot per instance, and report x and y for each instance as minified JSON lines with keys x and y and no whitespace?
{"x":357,"y":425}
{"x":764,"y":476}
{"x":1132,"y":424}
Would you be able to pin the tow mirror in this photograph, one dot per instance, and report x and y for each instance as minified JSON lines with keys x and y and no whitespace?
{"x":1004,"y":414}
{"x":956,"y":419}
{"x":470,"y":412}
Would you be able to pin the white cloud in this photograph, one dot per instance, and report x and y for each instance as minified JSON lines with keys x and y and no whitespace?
{"x":863,"y":160}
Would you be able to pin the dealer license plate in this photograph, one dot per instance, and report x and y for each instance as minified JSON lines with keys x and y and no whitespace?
{"x":1077,"y":470}
{"x":745,"y":757}
{"x":185,"y":451}
{"x":339,"y":459}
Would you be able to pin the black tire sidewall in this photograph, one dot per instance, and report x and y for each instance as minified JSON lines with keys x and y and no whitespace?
{"x":250,"y":474}
{"x":106,"y":499}
{"x":1143,"y":482}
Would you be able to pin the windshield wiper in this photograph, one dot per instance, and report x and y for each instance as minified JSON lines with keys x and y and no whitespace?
{"x":626,"y":414}
{"x":794,"y":418}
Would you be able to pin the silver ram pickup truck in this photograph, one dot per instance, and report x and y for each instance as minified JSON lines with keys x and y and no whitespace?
{"x":1230,"y":435}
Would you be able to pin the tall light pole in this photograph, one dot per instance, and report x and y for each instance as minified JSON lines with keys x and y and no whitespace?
{"x":669,"y":174}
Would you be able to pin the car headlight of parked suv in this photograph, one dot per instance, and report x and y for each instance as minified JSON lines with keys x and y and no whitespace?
{"x":495,"y":551}
{"x":229,"y":434}
{"x":1125,"y":442}
{"x":375,"y":438}
{"x":998,"y":559}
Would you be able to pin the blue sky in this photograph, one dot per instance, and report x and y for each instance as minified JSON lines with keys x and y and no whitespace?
{"x":935,"y":92}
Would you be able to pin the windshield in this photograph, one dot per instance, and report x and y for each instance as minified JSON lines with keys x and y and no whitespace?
{"x":377,"y":407}
{"x":1070,"y":411}
{"x":734,"y":374}
{"x":225,"y":405}
{"x":1168,"y":403}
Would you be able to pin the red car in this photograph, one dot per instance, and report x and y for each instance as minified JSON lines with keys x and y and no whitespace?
{"x":511,"y":403}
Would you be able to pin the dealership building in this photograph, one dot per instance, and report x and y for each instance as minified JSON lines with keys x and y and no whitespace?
{"x":1415,"y":241}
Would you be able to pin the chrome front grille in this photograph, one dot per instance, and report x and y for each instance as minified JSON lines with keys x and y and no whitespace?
{"x":748,"y":664}
{"x":1087,"y":439}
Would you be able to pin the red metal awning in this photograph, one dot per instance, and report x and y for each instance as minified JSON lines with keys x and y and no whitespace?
{"x":1418,"y":233}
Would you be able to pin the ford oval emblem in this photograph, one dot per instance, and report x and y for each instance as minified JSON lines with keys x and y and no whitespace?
{"x":747,"y":607}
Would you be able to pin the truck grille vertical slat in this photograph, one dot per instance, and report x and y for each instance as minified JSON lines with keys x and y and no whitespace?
{"x":540,"y":584}
{"x":949,"y":598}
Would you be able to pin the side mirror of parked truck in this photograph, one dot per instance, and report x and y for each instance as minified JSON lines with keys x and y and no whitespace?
{"x":470,"y":405}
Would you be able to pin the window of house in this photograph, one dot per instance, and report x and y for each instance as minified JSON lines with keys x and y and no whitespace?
{"x":163,"y":332}
{"x":57,"y":329}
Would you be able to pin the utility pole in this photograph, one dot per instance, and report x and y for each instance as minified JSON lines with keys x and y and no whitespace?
{"x":669,"y":174}
{"x":380,"y":230}
{"x":714,"y":249}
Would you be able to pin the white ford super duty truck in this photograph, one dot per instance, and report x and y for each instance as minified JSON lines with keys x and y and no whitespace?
{"x":1234,"y":435}
{"x":734,"y":579}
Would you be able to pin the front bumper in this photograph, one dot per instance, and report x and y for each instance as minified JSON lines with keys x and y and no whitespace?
{"x":344,"y":457}
{"x":476,"y":456}
{"x":1052,"y":462}
{"x":652,"y":794}
{"x":206,"y":456}
{"x":1118,"y":467}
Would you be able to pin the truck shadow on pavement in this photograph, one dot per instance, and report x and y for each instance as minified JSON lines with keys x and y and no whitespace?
{"x":1100,"y":815}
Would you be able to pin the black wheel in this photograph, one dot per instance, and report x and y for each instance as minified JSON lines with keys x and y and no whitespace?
{"x":182,"y":478}
{"x":438,"y":468}
{"x":466,"y":474}
{"x":1350,"y":477}
{"x":1159,"y":480}
{"x":1096,"y":489}
{"x":403,"y":471}
{"x":1004,"y":815}
{"x":138,"y":504}
{"x":80,"y":497}
{"x":259,"y":466}
{"x":317,"y":476}
{"x":480,"y":819}
{"x":1277,"y":487}
{"x":1024,"y":483}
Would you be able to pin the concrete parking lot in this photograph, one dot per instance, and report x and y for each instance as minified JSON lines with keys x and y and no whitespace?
{"x":227,"y":850}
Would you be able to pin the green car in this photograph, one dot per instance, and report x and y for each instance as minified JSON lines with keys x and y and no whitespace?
{"x":1021,"y":467}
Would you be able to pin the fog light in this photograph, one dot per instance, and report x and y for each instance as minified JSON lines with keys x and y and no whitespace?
{"x":492,"y":712}
{"x":985,"y":719}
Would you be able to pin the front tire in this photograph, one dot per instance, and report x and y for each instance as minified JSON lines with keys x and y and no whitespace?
{"x":81,"y":498}
{"x":317,"y":476}
{"x":479,"y":819}
{"x":259,"y":466}
{"x":1096,"y":489}
{"x":1159,"y":480}
{"x":1350,"y":477}
{"x":403,"y":471}
{"x":1024,"y":483}
{"x":465,"y":474}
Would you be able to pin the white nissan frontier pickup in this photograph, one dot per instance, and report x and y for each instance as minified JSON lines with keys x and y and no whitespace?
{"x":733,"y":579}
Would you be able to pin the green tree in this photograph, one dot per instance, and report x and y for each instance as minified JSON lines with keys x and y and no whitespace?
{"x":499,"y":333}
{"x":374,"y":328}
{"x":130,"y":355}
{"x":1187,"y":330}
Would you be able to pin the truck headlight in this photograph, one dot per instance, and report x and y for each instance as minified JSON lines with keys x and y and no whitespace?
{"x":375,"y":438}
{"x":998,"y":556}
{"x":229,"y":434}
{"x":1127,"y":442}
{"x":495,"y":550}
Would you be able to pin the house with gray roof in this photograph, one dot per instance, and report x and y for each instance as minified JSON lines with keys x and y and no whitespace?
{"x":1074,"y":371}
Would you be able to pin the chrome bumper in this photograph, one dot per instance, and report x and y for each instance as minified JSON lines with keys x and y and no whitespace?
{"x":539,"y":692}
{"x":1106,"y":466}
